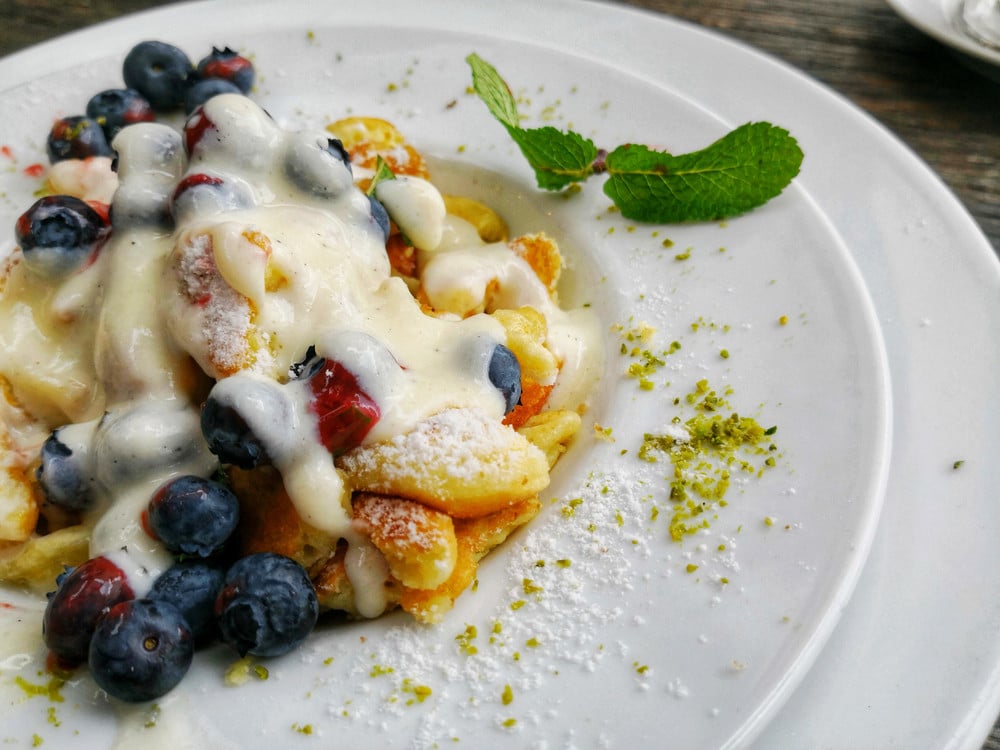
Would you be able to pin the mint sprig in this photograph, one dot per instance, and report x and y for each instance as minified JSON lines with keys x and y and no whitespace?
{"x":558,"y":158}
{"x":739,"y":172}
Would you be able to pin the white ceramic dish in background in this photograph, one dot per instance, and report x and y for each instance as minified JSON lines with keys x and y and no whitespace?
{"x":722,"y":659}
{"x":939,"y":19}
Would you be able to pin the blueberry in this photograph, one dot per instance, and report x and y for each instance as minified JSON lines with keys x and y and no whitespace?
{"x":233,"y":406}
{"x":267,"y":605}
{"x":76,"y":137}
{"x":113,"y":109}
{"x":160,"y":72}
{"x":72,"y":612}
{"x":152,"y":159}
{"x":306,"y":366}
{"x":67,"y":569}
{"x":59,"y":234}
{"x":505,"y":374}
{"x":192,"y":515}
{"x":318,"y":164}
{"x":380,"y":216}
{"x":230,"y":66}
{"x":192,"y":587}
{"x":138,"y":442}
{"x":64,"y":476}
{"x":141,"y":649}
{"x":232,"y":130}
{"x":203,"y":90}
{"x":154,"y":151}
{"x":203,"y":194}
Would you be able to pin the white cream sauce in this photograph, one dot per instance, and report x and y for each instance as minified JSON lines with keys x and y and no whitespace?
{"x":289,"y":258}
{"x":417,"y":208}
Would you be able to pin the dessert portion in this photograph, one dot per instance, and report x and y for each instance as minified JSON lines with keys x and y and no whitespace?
{"x":271,"y":345}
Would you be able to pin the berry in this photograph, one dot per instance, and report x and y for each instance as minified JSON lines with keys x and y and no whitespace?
{"x":160,"y":72}
{"x":203,"y":90}
{"x":233,"y":130}
{"x":63,"y":476}
{"x":73,"y":610}
{"x":318,"y":164}
{"x":192,"y":587}
{"x":60,"y":234}
{"x":267,"y":605}
{"x":141,"y":649}
{"x":113,"y":109}
{"x":228,"y":65}
{"x":380,"y":216}
{"x":152,"y":158}
{"x":231,"y":407}
{"x":153,"y":151}
{"x":196,"y":128}
{"x":192,"y":515}
{"x":135,"y":443}
{"x":345,"y":412}
{"x":505,"y":374}
{"x":202,"y":194}
{"x":76,"y":137}
{"x":305,"y":366}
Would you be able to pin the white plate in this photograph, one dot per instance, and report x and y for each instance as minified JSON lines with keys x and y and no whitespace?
{"x":940,"y":19}
{"x":721,"y":657}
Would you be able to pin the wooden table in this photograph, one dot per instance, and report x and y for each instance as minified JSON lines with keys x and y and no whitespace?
{"x":917,"y":88}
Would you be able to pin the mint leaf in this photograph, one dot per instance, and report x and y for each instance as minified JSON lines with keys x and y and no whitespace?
{"x":493,"y":90}
{"x":383,"y":172}
{"x":558,"y":158}
{"x":739,"y":172}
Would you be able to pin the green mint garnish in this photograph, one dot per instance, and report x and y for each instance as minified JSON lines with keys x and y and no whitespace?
{"x":737,"y":173}
{"x":382,"y":173}
{"x":557,"y":157}
{"x":740,"y":171}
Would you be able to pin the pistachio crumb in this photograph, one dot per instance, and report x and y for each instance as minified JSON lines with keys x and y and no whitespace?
{"x":465,"y":640}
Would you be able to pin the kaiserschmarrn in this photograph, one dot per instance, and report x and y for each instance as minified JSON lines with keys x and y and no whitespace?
{"x":361,"y":326}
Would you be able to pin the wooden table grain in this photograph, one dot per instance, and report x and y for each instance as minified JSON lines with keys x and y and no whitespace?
{"x":917,"y":88}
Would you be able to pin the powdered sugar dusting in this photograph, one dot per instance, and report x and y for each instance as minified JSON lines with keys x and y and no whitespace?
{"x":406,"y":522}
{"x":474,"y":448}
{"x":226,"y":314}
{"x":564,"y":575}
